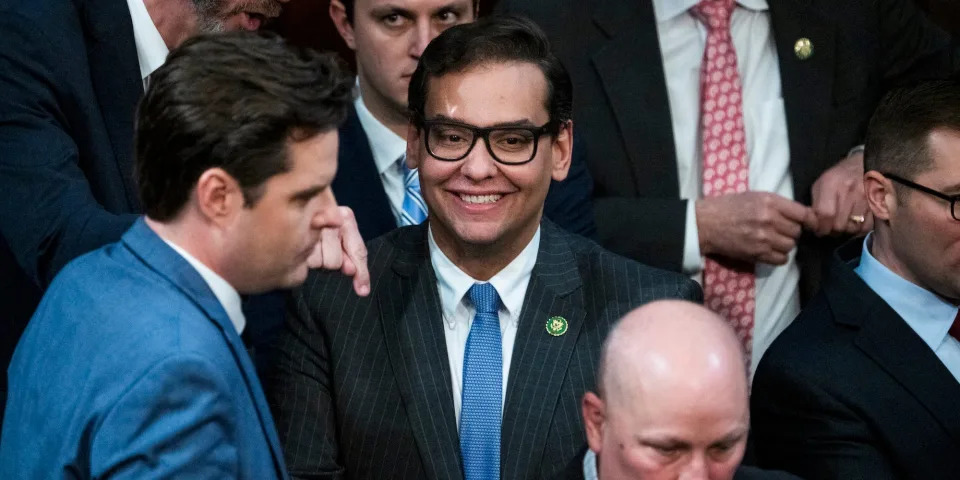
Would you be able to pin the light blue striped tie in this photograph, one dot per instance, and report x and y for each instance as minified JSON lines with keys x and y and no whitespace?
{"x":414,"y":209}
{"x":482,"y":388}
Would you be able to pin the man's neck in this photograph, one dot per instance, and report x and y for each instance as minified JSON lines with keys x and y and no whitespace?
{"x":182,"y":235}
{"x":176,"y":20}
{"x":383,"y":109}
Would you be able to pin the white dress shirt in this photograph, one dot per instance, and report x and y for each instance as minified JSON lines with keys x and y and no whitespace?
{"x":387,"y":147}
{"x":151,"y":49}
{"x":590,"y":466}
{"x":458,"y":311}
{"x":227,"y":296}
{"x":926,"y":313}
{"x":682,"y":42}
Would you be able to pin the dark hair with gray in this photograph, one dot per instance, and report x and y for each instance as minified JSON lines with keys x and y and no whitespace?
{"x":899,"y":132}
{"x":233,"y":101}
{"x":495,"y":39}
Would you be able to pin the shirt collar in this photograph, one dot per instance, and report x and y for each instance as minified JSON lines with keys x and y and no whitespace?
{"x":665,"y":10}
{"x":590,"y":466}
{"x":225,"y":293}
{"x":386,"y":145}
{"x":151,"y":49}
{"x":510,"y":283}
{"x":927,"y":314}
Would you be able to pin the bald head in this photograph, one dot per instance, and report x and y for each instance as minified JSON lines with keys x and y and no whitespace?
{"x":671,"y":344}
{"x":673,"y":396}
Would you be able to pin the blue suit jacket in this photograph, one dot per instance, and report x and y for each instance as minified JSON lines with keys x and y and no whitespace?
{"x":131,"y":369}
{"x":358,"y":186}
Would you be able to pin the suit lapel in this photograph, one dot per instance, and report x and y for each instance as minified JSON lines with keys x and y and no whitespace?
{"x":410,"y":313}
{"x":887,"y":340}
{"x":115,"y":74}
{"x":158,"y":256}
{"x":807,"y":84}
{"x":630,"y":68}
{"x":358,"y":183}
{"x":540,"y":359}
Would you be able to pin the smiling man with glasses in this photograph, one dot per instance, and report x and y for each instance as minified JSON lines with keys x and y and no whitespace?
{"x":484,"y":326}
{"x":865,"y":383}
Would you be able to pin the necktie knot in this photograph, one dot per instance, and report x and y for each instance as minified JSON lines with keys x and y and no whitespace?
{"x":413,"y":209}
{"x":715,"y":14}
{"x":484,"y":297}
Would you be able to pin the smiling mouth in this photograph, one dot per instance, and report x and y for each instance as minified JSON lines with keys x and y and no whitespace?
{"x":480,"y":199}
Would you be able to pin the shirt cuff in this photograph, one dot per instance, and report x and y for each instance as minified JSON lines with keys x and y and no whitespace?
{"x":692,"y":260}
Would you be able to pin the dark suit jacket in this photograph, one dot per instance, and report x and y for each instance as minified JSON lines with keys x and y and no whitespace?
{"x":621,"y":108}
{"x":358,"y":186}
{"x":363,"y":386}
{"x":69,"y":84}
{"x":574,"y":471}
{"x":849,"y":391}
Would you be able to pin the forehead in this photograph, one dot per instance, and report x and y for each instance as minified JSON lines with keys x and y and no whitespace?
{"x":490,"y":93}
{"x":411,"y":5}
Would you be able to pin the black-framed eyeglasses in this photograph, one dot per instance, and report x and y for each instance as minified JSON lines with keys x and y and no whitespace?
{"x":929,"y":191}
{"x":452,"y":141}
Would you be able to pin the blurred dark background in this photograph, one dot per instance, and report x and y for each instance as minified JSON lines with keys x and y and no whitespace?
{"x":306,"y":22}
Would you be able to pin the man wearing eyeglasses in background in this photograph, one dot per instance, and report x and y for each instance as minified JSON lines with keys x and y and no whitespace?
{"x":864,"y":385}
{"x":484,"y":325}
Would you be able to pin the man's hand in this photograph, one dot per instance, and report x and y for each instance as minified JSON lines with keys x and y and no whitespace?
{"x":341,"y":248}
{"x":838,"y":198}
{"x":751,"y":226}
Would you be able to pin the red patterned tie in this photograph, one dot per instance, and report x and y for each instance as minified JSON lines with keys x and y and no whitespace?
{"x":728,"y":290}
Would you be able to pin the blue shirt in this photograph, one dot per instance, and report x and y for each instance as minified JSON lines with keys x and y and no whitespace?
{"x":926,"y":313}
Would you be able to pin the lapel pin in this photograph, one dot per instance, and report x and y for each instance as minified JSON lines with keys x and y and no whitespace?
{"x":556,"y":326}
{"x":803,"y":48}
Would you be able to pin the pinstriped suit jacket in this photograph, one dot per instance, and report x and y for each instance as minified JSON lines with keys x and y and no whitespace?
{"x":362,"y":389}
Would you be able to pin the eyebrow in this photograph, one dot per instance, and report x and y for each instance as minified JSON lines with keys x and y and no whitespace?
{"x":731,"y":437}
{"x":388,"y":8}
{"x":524,"y":122}
{"x":308,"y":193}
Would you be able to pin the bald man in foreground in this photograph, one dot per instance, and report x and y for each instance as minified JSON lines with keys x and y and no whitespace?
{"x":672,"y":400}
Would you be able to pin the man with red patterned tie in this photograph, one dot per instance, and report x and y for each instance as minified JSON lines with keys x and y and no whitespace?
{"x":864,"y":385}
{"x":719,"y":131}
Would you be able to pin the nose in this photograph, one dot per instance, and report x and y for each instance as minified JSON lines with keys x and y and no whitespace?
{"x":422,"y":33}
{"x":479,"y":165}
{"x":327,"y":214}
{"x":696,"y":469}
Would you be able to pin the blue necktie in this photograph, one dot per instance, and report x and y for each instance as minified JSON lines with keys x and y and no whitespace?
{"x":414,"y":210}
{"x":482,"y":388}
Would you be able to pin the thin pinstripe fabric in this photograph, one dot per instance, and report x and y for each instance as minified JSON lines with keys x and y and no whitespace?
{"x":482,"y":388}
{"x":362,"y":386}
{"x":414,"y":209}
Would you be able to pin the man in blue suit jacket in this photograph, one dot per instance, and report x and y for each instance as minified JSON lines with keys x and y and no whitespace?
{"x":388,"y":38}
{"x":133,"y":366}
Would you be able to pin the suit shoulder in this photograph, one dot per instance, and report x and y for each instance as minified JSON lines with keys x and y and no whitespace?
{"x":597,"y":264}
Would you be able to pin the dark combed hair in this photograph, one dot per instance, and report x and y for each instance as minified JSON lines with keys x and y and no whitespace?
{"x":494,"y":39}
{"x":898,"y":134}
{"x":233,"y":101}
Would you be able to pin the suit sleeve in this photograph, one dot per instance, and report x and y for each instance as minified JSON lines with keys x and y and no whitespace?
{"x":568,"y":203}
{"x":48,"y":214}
{"x":300,"y":396}
{"x":176,"y":421}
{"x":804,"y":430}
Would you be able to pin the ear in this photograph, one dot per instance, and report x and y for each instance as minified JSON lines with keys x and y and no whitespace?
{"x":562,"y":151}
{"x":338,"y":13}
{"x":218,"y":196}
{"x":413,"y":146}
{"x":881,"y":197}
{"x":594,"y":416}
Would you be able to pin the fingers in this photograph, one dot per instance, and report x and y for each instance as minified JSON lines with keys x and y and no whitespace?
{"x":332,"y":257}
{"x":355,"y":253}
{"x":850,"y":202}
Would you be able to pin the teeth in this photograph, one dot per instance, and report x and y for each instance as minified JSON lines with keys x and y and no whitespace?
{"x":480,"y":199}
